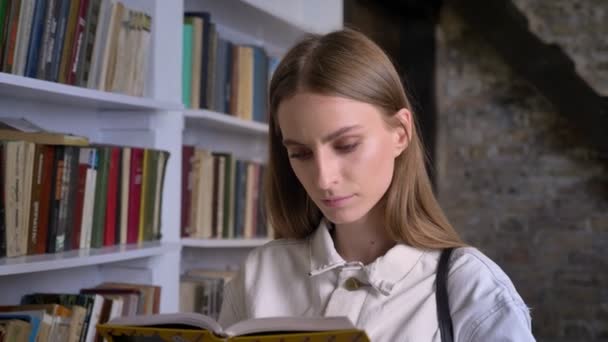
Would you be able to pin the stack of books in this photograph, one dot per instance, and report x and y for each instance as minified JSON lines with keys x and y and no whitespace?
{"x":223,"y":76}
{"x":202,"y":291}
{"x":69,"y":317}
{"x":61,"y":193}
{"x":99,"y":44}
{"x":221,"y":196}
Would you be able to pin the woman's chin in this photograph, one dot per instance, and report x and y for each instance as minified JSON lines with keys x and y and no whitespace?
{"x":341,"y":216}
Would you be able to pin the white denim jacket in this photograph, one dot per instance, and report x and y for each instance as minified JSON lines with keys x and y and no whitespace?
{"x":395,"y":296}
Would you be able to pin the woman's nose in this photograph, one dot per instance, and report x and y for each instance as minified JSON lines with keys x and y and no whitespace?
{"x":327,"y":172}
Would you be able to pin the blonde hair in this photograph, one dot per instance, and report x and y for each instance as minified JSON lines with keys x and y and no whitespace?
{"x":347,"y":64}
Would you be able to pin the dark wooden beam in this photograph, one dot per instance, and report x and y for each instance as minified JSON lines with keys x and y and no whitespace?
{"x":545,"y":66}
{"x":405,"y":29}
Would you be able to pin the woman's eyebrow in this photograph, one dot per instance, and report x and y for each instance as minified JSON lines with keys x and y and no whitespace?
{"x":331,"y":136}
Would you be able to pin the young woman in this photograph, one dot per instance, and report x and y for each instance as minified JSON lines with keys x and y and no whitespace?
{"x":361,"y":230}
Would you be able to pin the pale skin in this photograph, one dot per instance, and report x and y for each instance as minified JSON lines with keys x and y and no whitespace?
{"x":343,"y":153}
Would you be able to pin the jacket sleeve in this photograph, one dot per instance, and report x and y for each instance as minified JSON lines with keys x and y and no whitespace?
{"x":484,"y":303}
{"x":507,"y":322}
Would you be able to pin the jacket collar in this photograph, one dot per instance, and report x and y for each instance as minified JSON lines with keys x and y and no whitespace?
{"x":383,"y":273}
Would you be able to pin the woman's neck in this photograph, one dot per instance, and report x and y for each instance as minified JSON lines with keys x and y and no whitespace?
{"x":364,"y":240}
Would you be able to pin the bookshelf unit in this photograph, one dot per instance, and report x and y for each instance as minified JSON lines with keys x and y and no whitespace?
{"x":275,"y":25}
{"x":152,"y":121}
{"x":157,"y":120}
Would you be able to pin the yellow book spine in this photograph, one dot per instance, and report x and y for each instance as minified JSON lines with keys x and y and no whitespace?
{"x":109,"y":331}
{"x":144,"y":193}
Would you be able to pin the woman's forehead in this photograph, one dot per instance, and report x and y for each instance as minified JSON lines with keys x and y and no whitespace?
{"x":313,"y":117}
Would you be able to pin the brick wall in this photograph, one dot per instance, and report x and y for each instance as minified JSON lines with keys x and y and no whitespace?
{"x":515,"y":181}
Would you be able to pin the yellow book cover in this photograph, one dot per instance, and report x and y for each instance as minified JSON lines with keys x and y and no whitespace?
{"x":47,"y":138}
{"x":12,"y":129}
{"x":197,"y":327}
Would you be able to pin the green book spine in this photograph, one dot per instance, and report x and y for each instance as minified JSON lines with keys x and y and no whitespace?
{"x":158,"y":212}
{"x":187,"y":65}
{"x":150,"y":179}
{"x":229,"y":176}
{"x":2,"y":200}
{"x":101,"y":188}
{"x":3,"y":20}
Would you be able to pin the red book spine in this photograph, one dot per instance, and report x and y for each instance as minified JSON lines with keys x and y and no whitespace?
{"x":78,"y":40}
{"x":82,"y":183}
{"x":45,"y":200}
{"x":135,"y":178}
{"x":13,"y":19}
{"x":113,"y":172}
{"x":187,"y":152}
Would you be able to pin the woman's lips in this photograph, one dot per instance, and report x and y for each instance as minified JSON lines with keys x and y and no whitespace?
{"x":335,"y":202}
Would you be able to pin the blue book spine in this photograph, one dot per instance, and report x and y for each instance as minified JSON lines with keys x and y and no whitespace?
{"x":187,"y":65}
{"x":60,"y":36}
{"x":273,"y":63}
{"x":228,"y":72}
{"x":32,"y":320}
{"x":48,"y":35}
{"x":240,"y":192}
{"x":260,"y":84}
{"x":33,"y":50}
{"x":220,"y":76}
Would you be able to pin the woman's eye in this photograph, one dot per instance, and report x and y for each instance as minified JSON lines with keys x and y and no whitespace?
{"x":300,"y":155}
{"x":347,"y":147}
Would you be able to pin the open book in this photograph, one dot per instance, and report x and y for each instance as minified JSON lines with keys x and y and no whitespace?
{"x":163,"y":325}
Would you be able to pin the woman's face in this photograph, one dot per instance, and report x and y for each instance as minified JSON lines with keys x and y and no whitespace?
{"x":342,"y":152}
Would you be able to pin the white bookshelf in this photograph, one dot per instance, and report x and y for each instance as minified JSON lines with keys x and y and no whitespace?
{"x":20,"y":88}
{"x":276,"y":25}
{"x":316,"y":16}
{"x":83,"y":257}
{"x":152,"y":121}
{"x":159,"y":121}
{"x":223,"y":243}
{"x":206,"y":119}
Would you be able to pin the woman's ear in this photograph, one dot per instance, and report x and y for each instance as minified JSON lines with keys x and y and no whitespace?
{"x":403,"y":130}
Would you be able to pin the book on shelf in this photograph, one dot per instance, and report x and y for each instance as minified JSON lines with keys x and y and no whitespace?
{"x":221,"y":196}
{"x":12,"y":329}
{"x":99,"y":44}
{"x":201,"y":291}
{"x":66,"y":194}
{"x":187,"y":47}
{"x":54,"y":318}
{"x":69,"y":317}
{"x":48,"y":138}
{"x":149,"y":295}
{"x":74,"y":317}
{"x":221,"y":75}
{"x":196,"y":327}
{"x":4,"y":8}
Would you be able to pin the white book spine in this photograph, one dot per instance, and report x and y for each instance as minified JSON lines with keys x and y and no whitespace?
{"x":23,"y":36}
{"x":124,"y":197}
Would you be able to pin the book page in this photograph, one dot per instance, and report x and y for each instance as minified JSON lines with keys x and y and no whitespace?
{"x":289,"y":324}
{"x":192,"y":319}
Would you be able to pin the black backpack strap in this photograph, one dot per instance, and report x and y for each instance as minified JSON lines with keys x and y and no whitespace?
{"x":443,"y":306}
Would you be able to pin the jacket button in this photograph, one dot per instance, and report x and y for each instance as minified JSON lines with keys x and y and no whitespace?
{"x":352,"y":284}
